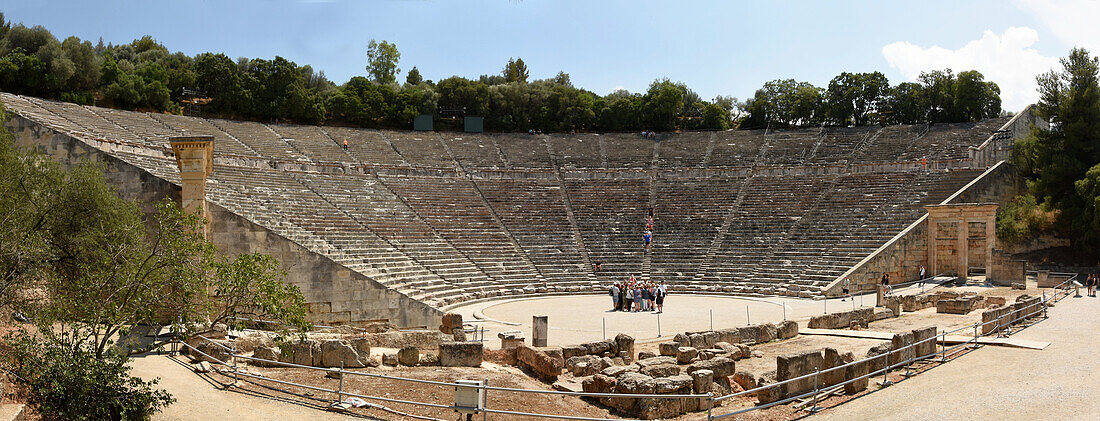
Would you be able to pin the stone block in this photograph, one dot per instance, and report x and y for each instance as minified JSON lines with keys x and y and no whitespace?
{"x":685,"y":354}
{"x":899,"y":341}
{"x":460,"y":354}
{"x":598,"y":383}
{"x":336,"y":352}
{"x":272,"y":353}
{"x":660,"y":370}
{"x":450,"y":322}
{"x":832,"y":358}
{"x":924,"y":338}
{"x":720,"y":366}
{"x":878,"y":356}
{"x":390,"y":359}
{"x":854,"y":371}
{"x":674,"y":385}
{"x":795,"y":365}
{"x":730,"y":335}
{"x":544,"y":365}
{"x":624,"y":345}
{"x":643,"y":355}
{"x":570,"y":351}
{"x":744,"y":379}
{"x":409,"y":356}
{"x":788,"y":329}
{"x":701,"y":381}
{"x":668,"y":348}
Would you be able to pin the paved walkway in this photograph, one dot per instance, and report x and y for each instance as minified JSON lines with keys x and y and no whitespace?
{"x":1057,"y":383}
{"x":201,"y":398}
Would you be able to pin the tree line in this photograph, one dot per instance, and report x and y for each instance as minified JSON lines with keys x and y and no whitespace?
{"x":860,"y":99}
{"x":145,"y":75}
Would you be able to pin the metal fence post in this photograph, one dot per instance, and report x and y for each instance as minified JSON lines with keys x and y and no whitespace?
{"x":658,"y":325}
{"x":710,"y":405}
{"x":814,"y":407}
{"x":236,"y":378}
{"x":605,"y":328}
{"x":484,"y":399}
{"x":748,"y":320}
{"x":825,"y":302}
{"x":712,"y":320}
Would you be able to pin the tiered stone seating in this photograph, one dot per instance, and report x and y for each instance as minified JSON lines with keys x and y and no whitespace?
{"x":150,"y":131}
{"x":28,"y":108}
{"x":839,"y":144}
{"x":843,"y":208}
{"x":892,"y":144}
{"x":369,"y":202}
{"x":524,"y":150}
{"x":474,"y":150}
{"x":791,"y":147}
{"x":293,"y":210}
{"x":736,"y":148}
{"x":688,"y":214}
{"x":89,"y":121}
{"x":455,"y":209}
{"x":259,"y":138}
{"x":367,"y":146}
{"x":684,"y":150}
{"x":611,"y":218}
{"x":577,"y":151}
{"x":421,"y":149}
{"x":224,"y":144}
{"x":534,"y":212}
{"x":628,"y":150}
{"x":312,"y":142}
{"x":770,"y":207}
{"x":503,"y":226}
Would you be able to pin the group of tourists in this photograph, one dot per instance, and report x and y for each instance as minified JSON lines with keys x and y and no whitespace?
{"x":634,"y":296}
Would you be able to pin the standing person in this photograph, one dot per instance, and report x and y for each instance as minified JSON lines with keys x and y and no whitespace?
{"x":637,"y":298}
{"x":345,"y":144}
{"x":845,"y":289}
{"x":648,"y":236}
{"x":661,"y":291}
{"x":629,"y":299}
{"x":922,"y":275}
{"x":614,"y":297}
{"x":1090,"y":283}
{"x":886,"y":284}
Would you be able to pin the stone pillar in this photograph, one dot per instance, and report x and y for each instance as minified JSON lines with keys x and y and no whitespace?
{"x":933,"y":231}
{"x":539,"y":327}
{"x":963,"y":249}
{"x":195,"y":159}
{"x":990,"y":243}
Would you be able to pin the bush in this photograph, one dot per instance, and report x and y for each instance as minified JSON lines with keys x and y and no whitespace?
{"x":67,"y":383}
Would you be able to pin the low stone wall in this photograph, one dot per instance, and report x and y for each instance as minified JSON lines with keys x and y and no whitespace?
{"x":843,"y":320}
{"x":1025,"y":307}
{"x":661,"y":375}
{"x":960,"y":305}
{"x":755,"y":334}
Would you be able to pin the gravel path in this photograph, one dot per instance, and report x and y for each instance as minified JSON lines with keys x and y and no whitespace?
{"x":201,"y":397}
{"x":1059,"y":382}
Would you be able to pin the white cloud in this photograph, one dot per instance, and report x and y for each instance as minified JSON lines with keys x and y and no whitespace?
{"x":1006,"y":59}
{"x":1071,"y":21}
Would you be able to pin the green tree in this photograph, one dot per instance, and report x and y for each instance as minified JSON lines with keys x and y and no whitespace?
{"x":975,"y":98}
{"x":414,"y":78}
{"x":515,"y":71}
{"x":851,"y":98}
{"x":1060,"y":164}
{"x":382,"y":59}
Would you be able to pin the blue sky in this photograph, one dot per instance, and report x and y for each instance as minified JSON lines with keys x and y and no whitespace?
{"x":716,"y":48}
